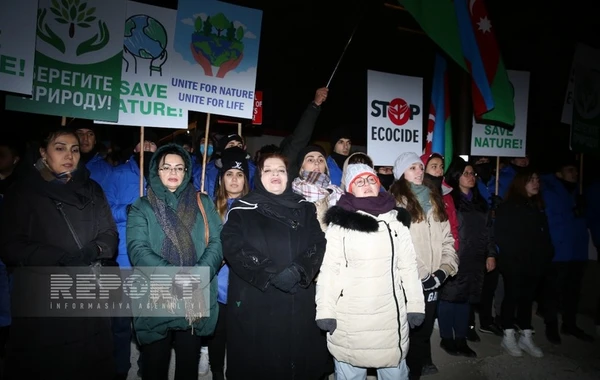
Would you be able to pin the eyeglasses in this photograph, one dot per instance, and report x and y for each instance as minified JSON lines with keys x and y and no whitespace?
{"x":176,"y":169}
{"x":470,"y":174}
{"x":360,"y":182}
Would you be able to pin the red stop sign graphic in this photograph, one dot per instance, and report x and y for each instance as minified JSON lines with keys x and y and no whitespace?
{"x":398,"y":111}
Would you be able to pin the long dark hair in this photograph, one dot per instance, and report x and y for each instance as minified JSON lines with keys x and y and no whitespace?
{"x":517,"y":192}
{"x":453,"y":174}
{"x":401,"y":190}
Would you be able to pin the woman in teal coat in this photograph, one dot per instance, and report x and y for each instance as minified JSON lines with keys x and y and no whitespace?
{"x":167,"y":228}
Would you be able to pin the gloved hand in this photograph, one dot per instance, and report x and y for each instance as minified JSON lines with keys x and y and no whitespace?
{"x":429,"y":283}
{"x":440,"y":277}
{"x":327,"y":324}
{"x":496,"y":201}
{"x":286,"y":279}
{"x":415,"y":319}
{"x":84,"y":257}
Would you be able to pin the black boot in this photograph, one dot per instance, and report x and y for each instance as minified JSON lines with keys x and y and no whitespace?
{"x":552,"y":334}
{"x":575,"y":331}
{"x":472,"y":335}
{"x":463,"y":348}
{"x":449,"y":345}
{"x":218,"y":375}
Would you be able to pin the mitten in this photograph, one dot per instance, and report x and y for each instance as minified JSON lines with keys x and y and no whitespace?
{"x":440,"y":277}
{"x":327,"y":324}
{"x":429,"y":283}
{"x":286,"y":279}
{"x":415,"y":319}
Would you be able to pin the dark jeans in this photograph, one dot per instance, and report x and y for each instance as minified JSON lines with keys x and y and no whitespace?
{"x":419,"y":352}
{"x":453,"y":319}
{"x":217,"y":343}
{"x":562,"y":285}
{"x":157,"y":356}
{"x":486,"y":304}
{"x":519,"y":293}
{"x":121,"y":330}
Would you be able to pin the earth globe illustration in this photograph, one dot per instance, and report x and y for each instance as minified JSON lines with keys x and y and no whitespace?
{"x":145,"y":37}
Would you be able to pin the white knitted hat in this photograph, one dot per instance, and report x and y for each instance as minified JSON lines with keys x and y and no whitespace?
{"x":354,"y":171}
{"x":404,"y":161}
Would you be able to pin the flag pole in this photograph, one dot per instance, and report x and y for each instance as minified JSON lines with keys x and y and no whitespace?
{"x":497,"y":174}
{"x":343,"y":53}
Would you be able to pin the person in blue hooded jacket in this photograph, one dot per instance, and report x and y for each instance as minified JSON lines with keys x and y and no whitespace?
{"x":233,"y":184}
{"x":99,"y":168}
{"x":568,"y":230}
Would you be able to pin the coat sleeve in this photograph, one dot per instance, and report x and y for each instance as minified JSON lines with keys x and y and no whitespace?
{"x":18,"y":248}
{"x":247,"y":262}
{"x":108,"y":236}
{"x":491,"y":249}
{"x":213,"y":253}
{"x":409,"y":273}
{"x":138,"y":239}
{"x":329,"y":286}
{"x":453,"y":219}
{"x":290,"y":147}
{"x":111,"y":190}
{"x":449,"y":263}
{"x":310,"y":260}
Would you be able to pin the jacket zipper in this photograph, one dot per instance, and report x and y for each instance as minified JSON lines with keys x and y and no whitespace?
{"x":394,"y":288}
{"x":59,"y":206}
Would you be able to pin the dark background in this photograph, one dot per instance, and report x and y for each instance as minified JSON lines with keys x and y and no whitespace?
{"x":302,"y":40}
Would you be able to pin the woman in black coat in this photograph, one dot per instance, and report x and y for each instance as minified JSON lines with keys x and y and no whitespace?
{"x":476,"y":252}
{"x":274,"y":247}
{"x":54,"y":217}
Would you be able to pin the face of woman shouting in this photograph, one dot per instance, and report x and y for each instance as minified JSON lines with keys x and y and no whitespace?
{"x":274,"y":175}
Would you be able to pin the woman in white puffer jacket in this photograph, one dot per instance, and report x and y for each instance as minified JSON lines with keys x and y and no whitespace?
{"x":369,"y":267}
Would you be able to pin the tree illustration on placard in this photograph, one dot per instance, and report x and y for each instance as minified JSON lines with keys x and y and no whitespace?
{"x":73,"y":14}
{"x":217,"y":42}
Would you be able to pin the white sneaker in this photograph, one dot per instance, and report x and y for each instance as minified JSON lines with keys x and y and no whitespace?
{"x":509,"y":343}
{"x":526,"y":344}
{"x":203,"y":365}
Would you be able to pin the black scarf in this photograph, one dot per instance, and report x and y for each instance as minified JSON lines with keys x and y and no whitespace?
{"x":260,"y":195}
{"x":436,"y":181}
{"x":484,"y":171}
{"x":382,"y":203}
{"x":387,"y":180}
{"x":339,"y":159}
{"x":178,"y":246}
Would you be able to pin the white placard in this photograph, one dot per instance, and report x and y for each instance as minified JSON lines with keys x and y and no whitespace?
{"x":489,"y":140}
{"x":394,"y":116}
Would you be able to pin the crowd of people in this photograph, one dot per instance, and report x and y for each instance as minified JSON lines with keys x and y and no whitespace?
{"x":319,"y":263}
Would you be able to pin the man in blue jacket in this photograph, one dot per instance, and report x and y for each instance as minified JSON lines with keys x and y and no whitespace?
{"x":341,"y":145}
{"x":95,"y":163}
{"x":568,"y":230}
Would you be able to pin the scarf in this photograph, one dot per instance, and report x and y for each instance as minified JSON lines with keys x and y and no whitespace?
{"x":382,"y":203}
{"x":423,"y":197}
{"x":315,"y":186}
{"x":49,"y":176}
{"x":386,"y":180}
{"x":339,"y":159}
{"x":436,"y":181}
{"x":260,"y":195}
{"x":178,"y":246}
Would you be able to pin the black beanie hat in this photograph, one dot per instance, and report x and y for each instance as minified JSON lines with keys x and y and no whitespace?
{"x":234,"y":158}
{"x":307,"y":150}
{"x":337,"y":134}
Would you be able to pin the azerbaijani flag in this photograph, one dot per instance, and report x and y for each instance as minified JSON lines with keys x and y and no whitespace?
{"x":439,"y":127}
{"x":464,"y":32}
{"x":493,"y":94}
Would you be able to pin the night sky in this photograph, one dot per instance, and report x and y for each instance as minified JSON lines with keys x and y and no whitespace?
{"x":302,"y":40}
